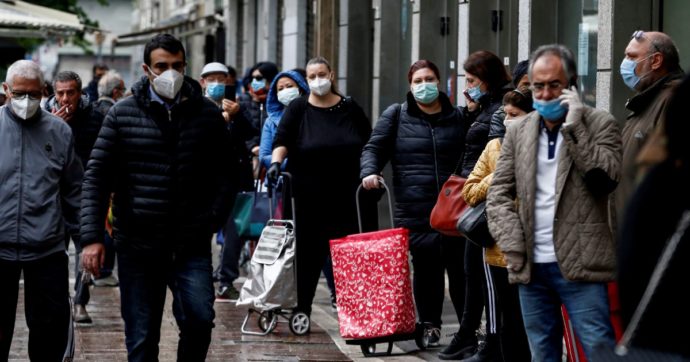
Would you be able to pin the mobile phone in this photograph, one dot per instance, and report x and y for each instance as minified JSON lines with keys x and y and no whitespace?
{"x":467,"y":96}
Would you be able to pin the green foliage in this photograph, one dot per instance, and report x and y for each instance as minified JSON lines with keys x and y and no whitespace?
{"x":72,"y":7}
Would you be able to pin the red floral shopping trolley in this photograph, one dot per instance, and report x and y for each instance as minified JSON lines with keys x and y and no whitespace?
{"x":372,"y":281}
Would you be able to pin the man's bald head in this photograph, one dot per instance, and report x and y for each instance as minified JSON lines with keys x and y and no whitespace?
{"x":662,"y":43}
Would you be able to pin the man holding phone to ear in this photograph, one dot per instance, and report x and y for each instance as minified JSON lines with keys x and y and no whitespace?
{"x":561,"y":163}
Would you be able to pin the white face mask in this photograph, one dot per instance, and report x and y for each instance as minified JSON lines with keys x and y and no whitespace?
{"x":507,"y":121}
{"x":26,"y":107}
{"x":168,"y":83}
{"x":287,"y":95}
{"x":320,"y":86}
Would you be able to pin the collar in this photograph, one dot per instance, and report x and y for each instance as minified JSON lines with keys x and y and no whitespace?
{"x":642,"y":100}
{"x":107,"y":99}
{"x":156,"y":98}
{"x":542,"y":126}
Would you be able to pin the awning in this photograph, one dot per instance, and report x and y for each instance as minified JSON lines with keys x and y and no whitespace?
{"x":19,"y":19}
{"x":181,"y":29}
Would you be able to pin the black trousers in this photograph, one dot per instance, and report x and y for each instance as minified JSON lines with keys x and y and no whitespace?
{"x":434,"y":254}
{"x":475,"y":289}
{"x":503,"y":315}
{"x":47,"y":308}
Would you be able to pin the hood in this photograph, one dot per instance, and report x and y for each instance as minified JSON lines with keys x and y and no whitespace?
{"x":190,"y":91}
{"x":273,"y":106}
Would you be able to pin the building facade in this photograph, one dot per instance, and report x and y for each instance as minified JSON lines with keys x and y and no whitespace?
{"x":371,"y":43}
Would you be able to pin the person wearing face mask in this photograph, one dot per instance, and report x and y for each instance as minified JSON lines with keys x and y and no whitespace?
{"x":423,"y":138}
{"x":39,"y":203}
{"x":214,"y":78}
{"x":651,"y":69}
{"x":323,"y":135}
{"x":166,"y":157}
{"x":561,"y":164}
{"x":505,"y":335}
{"x":253,"y":102}
{"x":286,"y":87}
{"x":487,"y":82}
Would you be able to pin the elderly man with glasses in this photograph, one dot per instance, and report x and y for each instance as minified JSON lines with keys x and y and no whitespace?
{"x":561,"y":163}
{"x":651,"y":69}
{"x":39,"y":203}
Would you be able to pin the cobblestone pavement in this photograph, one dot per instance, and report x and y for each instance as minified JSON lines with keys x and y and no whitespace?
{"x":104,"y":339}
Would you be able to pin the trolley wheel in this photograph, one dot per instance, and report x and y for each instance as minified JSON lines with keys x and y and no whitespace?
{"x":299,"y":323}
{"x":421,"y":338}
{"x":368,"y":349}
{"x":267,"y":321}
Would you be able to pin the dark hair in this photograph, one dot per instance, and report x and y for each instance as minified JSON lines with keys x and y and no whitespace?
{"x":165,"y":41}
{"x":520,"y":71}
{"x":488,"y":68}
{"x":562,"y":52}
{"x":322,"y":60}
{"x":231,"y":71}
{"x":301,"y":72}
{"x":664,"y":44}
{"x":67,"y":76}
{"x":521,"y":98}
{"x":98,"y":66}
{"x":421,"y":64}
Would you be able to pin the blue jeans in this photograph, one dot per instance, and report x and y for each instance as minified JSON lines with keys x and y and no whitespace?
{"x":587,"y":305}
{"x":143,"y":282}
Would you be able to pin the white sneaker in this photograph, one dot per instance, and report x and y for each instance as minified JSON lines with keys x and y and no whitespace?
{"x":109,"y":281}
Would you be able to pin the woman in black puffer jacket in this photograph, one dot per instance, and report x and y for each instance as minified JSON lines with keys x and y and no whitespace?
{"x":487,"y":82}
{"x":423,"y":139}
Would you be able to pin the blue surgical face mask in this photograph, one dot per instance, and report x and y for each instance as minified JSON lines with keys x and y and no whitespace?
{"x":551,"y":110}
{"x":215,"y":91}
{"x":475,"y":92}
{"x":425,"y":93}
{"x":628,"y":71}
{"x":257,"y":85}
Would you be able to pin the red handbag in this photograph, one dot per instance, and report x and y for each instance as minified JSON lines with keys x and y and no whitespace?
{"x":449,"y":206}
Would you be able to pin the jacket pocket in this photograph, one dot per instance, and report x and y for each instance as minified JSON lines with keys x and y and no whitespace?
{"x":597,"y":251}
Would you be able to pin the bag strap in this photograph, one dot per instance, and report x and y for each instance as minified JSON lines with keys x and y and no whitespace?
{"x":659,"y":270}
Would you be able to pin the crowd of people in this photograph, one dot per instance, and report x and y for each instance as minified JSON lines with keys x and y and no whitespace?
{"x":575,"y":199}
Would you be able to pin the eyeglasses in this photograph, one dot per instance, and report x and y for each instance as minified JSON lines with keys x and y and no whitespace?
{"x":36,"y":95}
{"x":258,"y":78}
{"x":639,"y":36}
{"x":552,"y":86}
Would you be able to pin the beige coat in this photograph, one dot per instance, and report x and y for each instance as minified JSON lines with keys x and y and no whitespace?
{"x":588,"y":170}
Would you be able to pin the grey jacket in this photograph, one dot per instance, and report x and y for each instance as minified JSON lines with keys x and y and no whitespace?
{"x":588,"y":171}
{"x":40,"y":186}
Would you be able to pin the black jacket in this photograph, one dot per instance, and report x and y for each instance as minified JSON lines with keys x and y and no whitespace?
{"x":84,"y":127}
{"x":423,"y":154}
{"x":478,"y":124}
{"x":170,"y":172}
{"x":256,"y":114}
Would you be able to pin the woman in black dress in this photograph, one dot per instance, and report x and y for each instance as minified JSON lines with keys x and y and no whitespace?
{"x":323,"y":135}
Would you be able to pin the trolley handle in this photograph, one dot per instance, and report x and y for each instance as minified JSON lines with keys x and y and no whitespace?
{"x":287,"y":179}
{"x":390,"y":202}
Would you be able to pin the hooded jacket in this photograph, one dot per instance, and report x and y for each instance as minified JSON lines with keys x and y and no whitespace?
{"x":169,"y":170}
{"x":40,"y":183}
{"x":275,"y":112}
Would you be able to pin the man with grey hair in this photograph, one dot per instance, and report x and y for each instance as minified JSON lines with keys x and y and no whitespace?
{"x":39,"y":204}
{"x":561,"y":162}
{"x":651,"y":68}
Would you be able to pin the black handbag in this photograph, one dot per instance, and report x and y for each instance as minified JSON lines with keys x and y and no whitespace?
{"x":623,"y":351}
{"x":474,"y":226}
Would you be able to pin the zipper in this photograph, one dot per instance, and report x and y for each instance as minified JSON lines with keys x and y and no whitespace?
{"x":21,"y":188}
{"x":169,"y":114}
{"x":433,"y":143}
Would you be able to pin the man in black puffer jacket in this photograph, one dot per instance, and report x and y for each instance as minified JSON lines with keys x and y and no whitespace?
{"x":166,"y":156}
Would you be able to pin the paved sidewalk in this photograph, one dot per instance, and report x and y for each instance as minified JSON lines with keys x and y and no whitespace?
{"x":104,"y":339}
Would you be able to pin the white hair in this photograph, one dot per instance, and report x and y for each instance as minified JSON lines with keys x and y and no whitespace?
{"x":24,"y":69}
{"x":108,"y":82}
